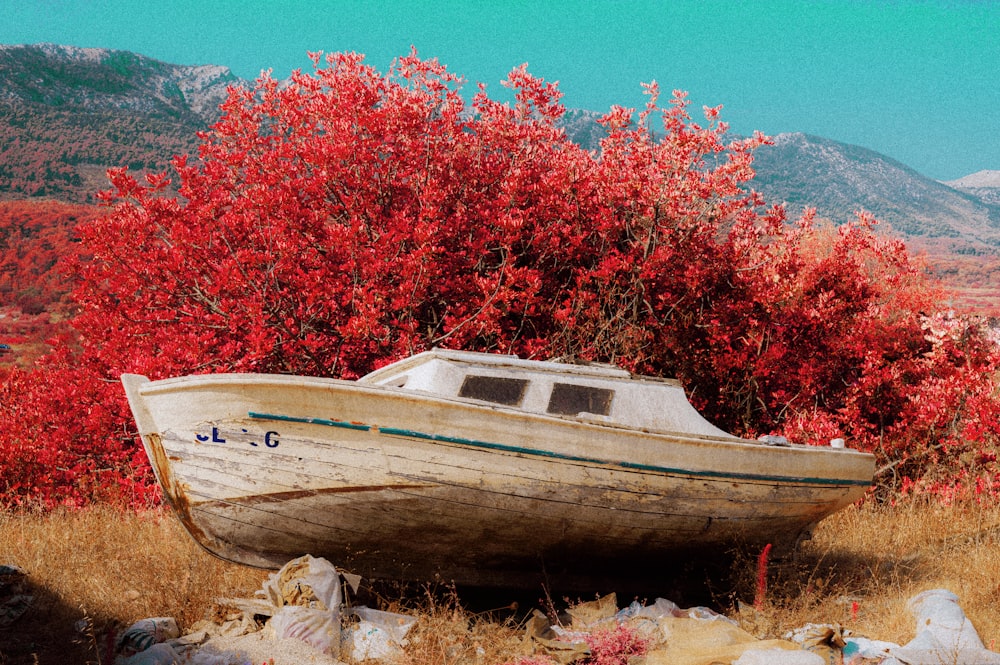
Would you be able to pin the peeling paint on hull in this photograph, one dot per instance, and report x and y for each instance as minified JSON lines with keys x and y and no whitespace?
{"x":393,"y":484}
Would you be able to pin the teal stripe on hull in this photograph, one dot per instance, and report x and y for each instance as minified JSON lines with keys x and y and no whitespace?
{"x":312,"y":421}
{"x":535,"y":452}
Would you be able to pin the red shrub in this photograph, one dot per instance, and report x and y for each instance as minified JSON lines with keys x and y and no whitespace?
{"x":350,"y":218}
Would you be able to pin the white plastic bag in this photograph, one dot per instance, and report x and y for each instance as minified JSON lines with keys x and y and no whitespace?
{"x":143,"y":634}
{"x":306,"y":597}
{"x":157,"y":654}
{"x":396,"y":625}
{"x":368,"y":641}
{"x":379,"y":635}
{"x":307,"y":581}
{"x":318,"y":628}
{"x":778,"y":657}
{"x":944,"y":634}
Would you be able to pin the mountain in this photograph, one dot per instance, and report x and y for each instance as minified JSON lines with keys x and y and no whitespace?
{"x":984,"y":185}
{"x":838,"y":179}
{"x":582,"y":127}
{"x":68,"y":113}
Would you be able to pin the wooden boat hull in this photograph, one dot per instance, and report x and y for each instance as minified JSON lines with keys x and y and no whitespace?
{"x":401,"y":485}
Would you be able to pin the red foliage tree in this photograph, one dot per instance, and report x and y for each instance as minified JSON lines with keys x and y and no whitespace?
{"x":66,"y":440}
{"x":349,"y":218}
{"x":34,"y":238}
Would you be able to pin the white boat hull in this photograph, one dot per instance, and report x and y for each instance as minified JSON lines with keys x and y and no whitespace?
{"x":396,"y":484}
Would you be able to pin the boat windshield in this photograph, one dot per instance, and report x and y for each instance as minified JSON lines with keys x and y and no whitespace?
{"x":570,"y":399}
{"x":496,"y":389}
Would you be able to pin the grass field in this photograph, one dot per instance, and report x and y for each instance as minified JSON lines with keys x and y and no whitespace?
{"x":113,"y":568}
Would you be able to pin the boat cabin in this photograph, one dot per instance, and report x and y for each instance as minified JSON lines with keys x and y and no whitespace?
{"x":590,"y":392}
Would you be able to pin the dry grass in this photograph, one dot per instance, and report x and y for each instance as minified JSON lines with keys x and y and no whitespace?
{"x":448,"y":633}
{"x":864,"y":564}
{"x":111,"y":567}
{"x":859,"y":570}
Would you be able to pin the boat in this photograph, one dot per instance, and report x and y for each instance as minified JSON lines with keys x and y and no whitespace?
{"x":481,"y":469}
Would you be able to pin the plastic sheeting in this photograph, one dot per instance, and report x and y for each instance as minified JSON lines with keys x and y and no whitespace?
{"x":698,"y":636}
{"x":944,"y":635}
{"x":305,"y":605}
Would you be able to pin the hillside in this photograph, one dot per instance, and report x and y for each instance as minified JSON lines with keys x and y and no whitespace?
{"x":838,"y":179}
{"x":35,"y":236}
{"x":67,"y":114}
{"x":984,"y":185}
{"x":955,"y":225}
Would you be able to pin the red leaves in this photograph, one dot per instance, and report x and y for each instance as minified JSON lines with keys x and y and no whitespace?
{"x":64,"y":442}
{"x":350,"y":218}
{"x":615,"y":646}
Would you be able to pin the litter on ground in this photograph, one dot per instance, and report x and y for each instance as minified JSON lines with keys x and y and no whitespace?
{"x":298,"y":617}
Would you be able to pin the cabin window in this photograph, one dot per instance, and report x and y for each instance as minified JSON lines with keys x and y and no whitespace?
{"x":398,"y":382}
{"x":569,"y":399}
{"x":497,"y":389}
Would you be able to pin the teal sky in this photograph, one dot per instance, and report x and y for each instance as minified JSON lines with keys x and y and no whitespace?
{"x":917,"y":81}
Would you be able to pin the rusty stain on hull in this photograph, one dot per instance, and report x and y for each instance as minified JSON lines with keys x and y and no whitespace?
{"x":278,"y":497}
{"x":174,"y":491}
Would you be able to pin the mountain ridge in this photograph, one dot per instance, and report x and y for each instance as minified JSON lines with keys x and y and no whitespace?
{"x":109,"y":79}
{"x":68,"y":113}
{"x":839,"y":179}
{"x":984,"y":185}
